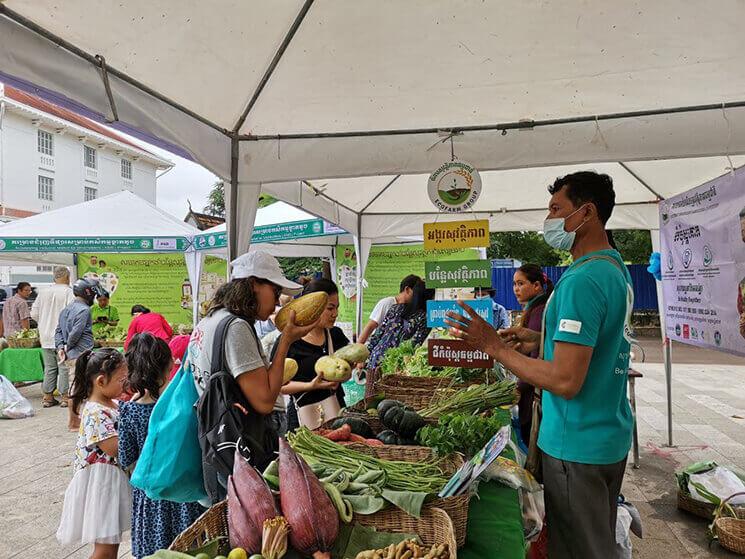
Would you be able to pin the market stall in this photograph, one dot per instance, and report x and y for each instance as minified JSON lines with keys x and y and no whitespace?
{"x":666,"y":116}
{"x":119,"y":223}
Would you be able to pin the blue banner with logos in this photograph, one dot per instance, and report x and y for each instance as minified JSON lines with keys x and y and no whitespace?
{"x":436,"y":311}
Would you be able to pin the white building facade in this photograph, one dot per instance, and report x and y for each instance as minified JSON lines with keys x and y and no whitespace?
{"x":51,"y":157}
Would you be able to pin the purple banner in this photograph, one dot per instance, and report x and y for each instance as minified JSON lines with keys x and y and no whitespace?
{"x":702,"y":234}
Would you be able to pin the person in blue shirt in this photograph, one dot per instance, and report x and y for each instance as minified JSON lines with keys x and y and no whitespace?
{"x":501,"y":316}
{"x":585,"y":432}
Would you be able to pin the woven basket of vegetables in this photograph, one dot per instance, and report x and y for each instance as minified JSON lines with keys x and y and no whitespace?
{"x":434,"y":527}
{"x":23,"y":343}
{"x":422,"y":383}
{"x":455,"y":507}
{"x":212,"y":524}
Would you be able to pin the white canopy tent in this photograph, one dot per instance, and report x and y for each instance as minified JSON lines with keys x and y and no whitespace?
{"x":352,"y":95}
{"x":121,"y":222}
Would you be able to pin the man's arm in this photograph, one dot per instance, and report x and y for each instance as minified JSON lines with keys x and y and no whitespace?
{"x":367,"y":332}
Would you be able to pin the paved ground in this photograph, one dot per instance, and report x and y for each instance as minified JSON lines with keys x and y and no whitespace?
{"x":709,"y":411}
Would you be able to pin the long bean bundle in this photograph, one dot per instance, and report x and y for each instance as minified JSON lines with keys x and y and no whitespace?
{"x":424,"y":477}
{"x":474,"y":399}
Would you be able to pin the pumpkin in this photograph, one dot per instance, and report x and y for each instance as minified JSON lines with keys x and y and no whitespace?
{"x":359,"y":426}
{"x":308,"y":309}
{"x":389,"y":437}
{"x":405,"y":422}
{"x":386,"y":405}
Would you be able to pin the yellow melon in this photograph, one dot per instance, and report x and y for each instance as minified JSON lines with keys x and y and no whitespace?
{"x":308,"y":309}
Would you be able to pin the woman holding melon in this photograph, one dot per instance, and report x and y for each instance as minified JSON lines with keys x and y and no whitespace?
{"x":308,"y":389}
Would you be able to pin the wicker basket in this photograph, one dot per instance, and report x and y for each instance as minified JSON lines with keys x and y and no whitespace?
{"x":701,"y":509}
{"x":110,"y":343}
{"x":210,"y":525}
{"x":730,"y":531}
{"x":422,"y":383}
{"x":433,"y":527}
{"x":23,"y":343}
{"x":455,"y":507}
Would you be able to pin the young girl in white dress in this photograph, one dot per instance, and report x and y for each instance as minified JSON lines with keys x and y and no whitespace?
{"x":98,"y":500}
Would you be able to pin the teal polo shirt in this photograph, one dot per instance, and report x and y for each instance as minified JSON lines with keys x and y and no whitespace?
{"x":589,"y":308}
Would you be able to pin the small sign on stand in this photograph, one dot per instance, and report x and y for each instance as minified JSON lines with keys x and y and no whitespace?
{"x":457,"y":273}
{"x":455,"y":353}
{"x":436,"y":311}
{"x":456,"y":234}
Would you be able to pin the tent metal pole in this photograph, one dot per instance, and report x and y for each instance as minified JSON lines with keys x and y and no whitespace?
{"x":380,"y":193}
{"x":669,"y":385}
{"x":59,"y":41}
{"x":273,"y":64}
{"x":504,"y":127}
{"x":233,"y":198}
{"x":640,"y":180}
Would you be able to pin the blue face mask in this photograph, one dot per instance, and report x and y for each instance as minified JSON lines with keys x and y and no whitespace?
{"x":555,"y":235}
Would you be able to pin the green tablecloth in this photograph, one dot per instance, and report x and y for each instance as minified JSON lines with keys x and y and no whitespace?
{"x":22,"y":365}
{"x":495,"y":520}
{"x":495,"y":526}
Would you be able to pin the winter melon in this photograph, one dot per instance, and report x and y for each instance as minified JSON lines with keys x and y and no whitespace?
{"x":308,"y":309}
{"x":333,"y":369}
{"x":353,"y":353}
{"x":290,"y":370}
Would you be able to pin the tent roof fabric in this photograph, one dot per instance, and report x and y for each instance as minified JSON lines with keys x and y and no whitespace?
{"x":123,"y":214}
{"x":348,"y":96}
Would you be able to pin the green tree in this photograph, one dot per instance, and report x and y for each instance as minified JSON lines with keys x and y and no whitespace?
{"x":293,"y":268}
{"x":216,"y":199}
{"x":634,"y":245}
{"x":526,"y":246}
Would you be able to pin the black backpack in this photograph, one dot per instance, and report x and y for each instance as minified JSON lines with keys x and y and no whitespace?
{"x":227,"y":420}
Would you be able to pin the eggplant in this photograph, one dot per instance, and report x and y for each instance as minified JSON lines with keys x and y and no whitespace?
{"x":250,"y":503}
{"x":312,"y":517}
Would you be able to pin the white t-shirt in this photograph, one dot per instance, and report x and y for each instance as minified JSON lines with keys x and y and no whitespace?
{"x":47,"y":308}
{"x":381,"y":309}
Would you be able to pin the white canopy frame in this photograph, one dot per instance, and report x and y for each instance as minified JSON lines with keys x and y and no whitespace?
{"x":601,"y":84}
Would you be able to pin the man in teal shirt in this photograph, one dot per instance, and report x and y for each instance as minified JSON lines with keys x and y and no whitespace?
{"x":585,"y":433}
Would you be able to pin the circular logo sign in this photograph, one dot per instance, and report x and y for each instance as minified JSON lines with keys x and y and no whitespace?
{"x":454,"y":187}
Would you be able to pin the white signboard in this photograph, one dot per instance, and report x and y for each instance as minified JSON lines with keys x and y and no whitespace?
{"x":702,"y":235}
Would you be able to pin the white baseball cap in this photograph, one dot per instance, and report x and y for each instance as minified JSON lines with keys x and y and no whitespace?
{"x":262,"y":265}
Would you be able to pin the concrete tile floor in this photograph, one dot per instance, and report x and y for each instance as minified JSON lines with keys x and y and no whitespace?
{"x":35,"y":456}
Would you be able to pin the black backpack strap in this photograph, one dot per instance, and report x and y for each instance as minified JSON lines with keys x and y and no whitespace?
{"x":218,"y":344}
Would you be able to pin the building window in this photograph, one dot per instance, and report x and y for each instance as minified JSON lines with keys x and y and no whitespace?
{"x":90,"y":193}
{"x":44,"y":268}
{"x":90,"y":157}
{"x":46,"y":188}
{"x":45,"y":142}
{"x":126,"y":169}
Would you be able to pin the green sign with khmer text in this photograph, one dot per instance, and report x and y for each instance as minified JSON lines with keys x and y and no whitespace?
{"x":457,"y":273}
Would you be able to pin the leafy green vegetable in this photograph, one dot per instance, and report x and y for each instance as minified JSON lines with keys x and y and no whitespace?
{"x":474,"y":399}
{"x":394,"y":359}
{"x":110,"y":333}
{"x":26,"y":334}
{"x":460,"y":433}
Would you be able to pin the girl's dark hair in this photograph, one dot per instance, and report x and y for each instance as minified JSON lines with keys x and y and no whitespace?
{"x":419,"y":299}
{"x":237,"y":296}
{"x":321,"y":284}
{"x":148,"y":361}
{"x":88,"y":366}
{"x":534,"y":273}
{"x":140,"y":308}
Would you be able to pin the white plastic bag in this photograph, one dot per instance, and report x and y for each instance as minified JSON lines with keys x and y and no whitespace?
{"x":721,"y":482}
{"x":12,"y":404}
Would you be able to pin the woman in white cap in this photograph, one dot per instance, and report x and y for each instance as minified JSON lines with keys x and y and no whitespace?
{"x":251,"y":295}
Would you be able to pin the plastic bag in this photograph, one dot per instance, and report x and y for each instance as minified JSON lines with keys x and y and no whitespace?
{"x":512,"y":475}
{"x":623,"y":531}
{"x":12,"y":404}
{"x":719,"y":482}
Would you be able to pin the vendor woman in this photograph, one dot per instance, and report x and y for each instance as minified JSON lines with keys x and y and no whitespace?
{"x":103,"y":314}
{"x":307,"y":388}
{"x":532,"y":289}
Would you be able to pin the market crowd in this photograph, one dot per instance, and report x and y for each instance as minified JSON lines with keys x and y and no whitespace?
{"x":569,"y":352}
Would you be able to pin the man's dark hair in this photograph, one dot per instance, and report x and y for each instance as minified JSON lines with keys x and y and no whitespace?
{"x":588,"y":186}
{"x":22,"y":285}
{"x":409,"y":281}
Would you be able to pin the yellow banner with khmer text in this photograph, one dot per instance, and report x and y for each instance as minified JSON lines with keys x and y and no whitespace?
{"x":456,"y":234}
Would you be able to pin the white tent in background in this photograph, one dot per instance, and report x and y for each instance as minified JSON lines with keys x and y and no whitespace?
{"x":350,"y":95}
{"x":121,"y":222}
